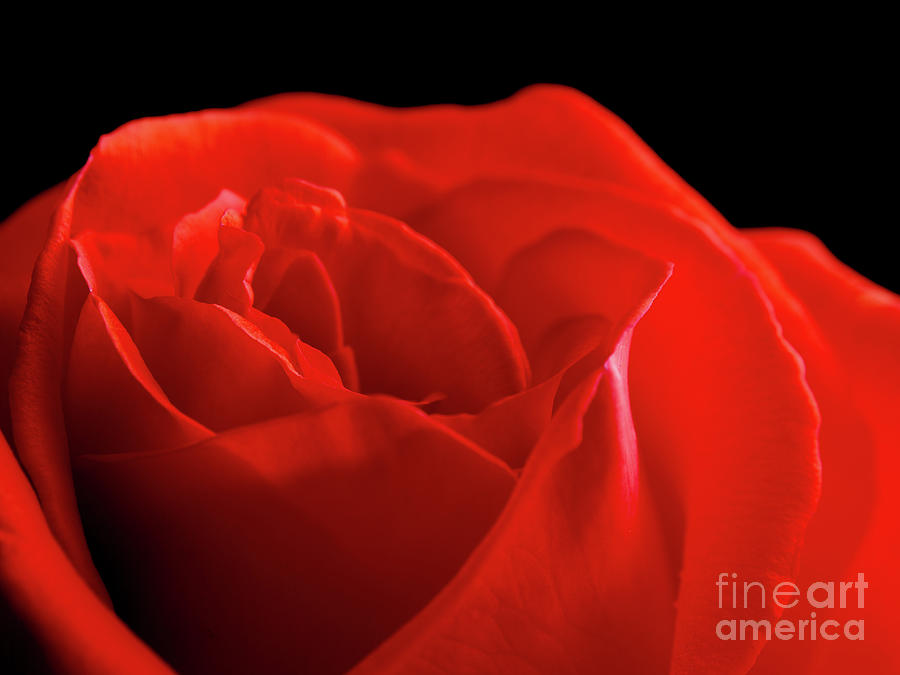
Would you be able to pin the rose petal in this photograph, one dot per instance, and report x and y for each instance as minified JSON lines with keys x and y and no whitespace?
{"x":570,"y":276}
{"x":149,"y":173}
{"x":219,"y":368}
{"x":300,"y":293}
{"x":571,"y":294}
{"x":294,"y":545}
{"x":316,"y":365}
{"x":74,"y":630}
{"x":21,"y":238}
{"x":227,"y":281}
{"x":858,"y":326}
{"x":112,"y":402}
{"x":195,"y":241}
{"x":116,"y":264}
{"x":508,"y":428}
{"x":35,"y":390}
{"x":547,"y":129}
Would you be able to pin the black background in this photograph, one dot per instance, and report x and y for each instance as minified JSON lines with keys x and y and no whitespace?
{"x":792,"y":141}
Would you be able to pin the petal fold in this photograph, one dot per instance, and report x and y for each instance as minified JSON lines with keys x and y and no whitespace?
{"x":112,"y":401}
{"x":195,"y":241}
{"x":221,"y":369}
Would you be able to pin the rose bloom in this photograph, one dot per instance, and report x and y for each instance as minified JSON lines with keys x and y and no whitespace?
{"x":313,"y":385}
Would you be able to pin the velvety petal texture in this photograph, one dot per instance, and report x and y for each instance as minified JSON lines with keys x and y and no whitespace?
{"x":858,"y":328}
{"x":315,"y":385}
{"x":295,"y":545}
{"x":74,"y":631}
{"x":22,"y":236}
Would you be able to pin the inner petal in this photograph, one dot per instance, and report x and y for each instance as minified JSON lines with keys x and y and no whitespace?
{"x":195,"y":241}
{"x":116,"y":264}
{"x":105,"y":366}
{"x":227,"y":280}
{"x":573,"y":291}
{"x":417,"y":323}
{"x":297,"y":289}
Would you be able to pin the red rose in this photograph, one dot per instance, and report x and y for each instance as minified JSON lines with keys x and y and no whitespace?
{"x":313,"y":386}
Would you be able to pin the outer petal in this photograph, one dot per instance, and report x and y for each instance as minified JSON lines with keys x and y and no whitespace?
{"x":149,"y":173}
{"x":547,"y":129}
{"x":858,"y":324}
{"x":710,"y":338}
{"x":35,"y":393}
{"x":295,"y":545}
{"x":76,"y":632}
{"x":21,"y":237}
